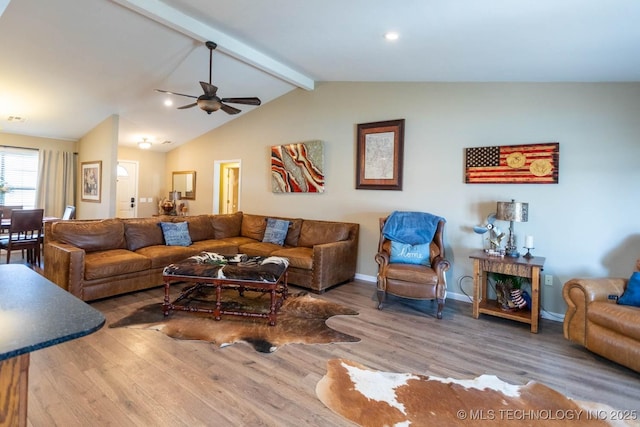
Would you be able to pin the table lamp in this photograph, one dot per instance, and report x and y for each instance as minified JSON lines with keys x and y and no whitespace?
{"x":512,"y":211}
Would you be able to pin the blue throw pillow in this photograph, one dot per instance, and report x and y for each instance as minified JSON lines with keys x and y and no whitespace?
{"x":631,"y":295}
{"x":176,"y":233}
{"x":276,"y":231}
{"x":410,"y":254}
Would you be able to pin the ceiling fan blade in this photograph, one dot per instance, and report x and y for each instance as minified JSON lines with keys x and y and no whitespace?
{"x":247,"y":101}
{"x":175,"y":93}
{"x":187,"y":106}
{"x":229,"y":109}
{"x":209,"y":89}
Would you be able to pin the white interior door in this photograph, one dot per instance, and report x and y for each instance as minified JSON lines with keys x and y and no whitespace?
{"x":127,"y":189}
{"x":226,"y":186}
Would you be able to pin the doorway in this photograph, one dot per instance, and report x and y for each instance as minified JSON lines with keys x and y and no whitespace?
{"x":127,"y":189}
{"x":226,"y":186}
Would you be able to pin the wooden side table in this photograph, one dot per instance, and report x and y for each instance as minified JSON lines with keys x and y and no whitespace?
{"x":522,"y":267}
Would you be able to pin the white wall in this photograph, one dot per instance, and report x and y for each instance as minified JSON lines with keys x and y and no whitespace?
{"x":100,"y":144}
{"x":585,"y":226}
{"x":151,"y":174}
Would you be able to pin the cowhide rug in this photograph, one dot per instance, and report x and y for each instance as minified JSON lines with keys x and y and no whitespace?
{"x":301,"y":319}
{"x":374,"y":398}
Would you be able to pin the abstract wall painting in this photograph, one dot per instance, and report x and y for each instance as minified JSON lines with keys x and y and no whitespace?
{"x":513,"y":164}
{"x":297,"y":168}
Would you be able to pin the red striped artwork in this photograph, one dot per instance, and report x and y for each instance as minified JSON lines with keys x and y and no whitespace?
{"x":297,"y":168}
{"x":513,"y":164}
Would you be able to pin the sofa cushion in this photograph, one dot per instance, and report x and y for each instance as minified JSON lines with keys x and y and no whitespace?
{"x":293,"y":235}
{"x":320,"y":232}
{"x":162,"y":255}
{"x":253,"y":226}
{"x":101,"y":264}
{"x":142,"y":232}
{"x":226,"y":225}
{"x":176,"y":233}
{"x":622,"y":319}
{"x":258,"y":248}
{"x":298,"y":257}
{"x":276,"y":231}
{"x":212,"y":245}
{"x":91,"y":236}
{"x":631,"y":295}
{"x":200,"y":228}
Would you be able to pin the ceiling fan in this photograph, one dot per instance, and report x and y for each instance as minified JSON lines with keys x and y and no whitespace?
{"x":210,"y":102}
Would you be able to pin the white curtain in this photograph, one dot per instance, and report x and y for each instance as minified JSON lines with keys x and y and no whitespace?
{"x":56,"y":181}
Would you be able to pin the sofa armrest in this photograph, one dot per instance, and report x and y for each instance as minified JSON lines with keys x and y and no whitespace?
{"x":578,"y":294}
{"x":64,"y":266}
{"x":334,"y":263}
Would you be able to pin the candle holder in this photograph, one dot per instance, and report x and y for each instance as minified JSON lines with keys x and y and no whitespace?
{"x":528,"y":254}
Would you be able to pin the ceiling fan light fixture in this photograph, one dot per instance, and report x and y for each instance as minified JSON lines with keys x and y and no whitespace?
{"x":168,"y":102}
{"x":144,"y":144}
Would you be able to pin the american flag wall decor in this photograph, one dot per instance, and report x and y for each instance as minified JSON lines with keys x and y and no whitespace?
{"x":513,"y":164}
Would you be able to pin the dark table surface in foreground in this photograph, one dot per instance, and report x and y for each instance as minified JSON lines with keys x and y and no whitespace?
{"x":35,"y":313}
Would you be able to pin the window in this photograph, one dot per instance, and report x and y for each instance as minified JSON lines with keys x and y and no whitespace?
{"x":18,"y":172}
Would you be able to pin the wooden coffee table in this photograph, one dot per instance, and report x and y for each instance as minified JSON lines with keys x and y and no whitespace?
{"x":239,"y":272}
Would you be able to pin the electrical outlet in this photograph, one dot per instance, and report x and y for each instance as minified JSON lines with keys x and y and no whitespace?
{"x":548,"y":280}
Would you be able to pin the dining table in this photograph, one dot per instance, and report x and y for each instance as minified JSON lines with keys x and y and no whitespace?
{"x":5,"y":223}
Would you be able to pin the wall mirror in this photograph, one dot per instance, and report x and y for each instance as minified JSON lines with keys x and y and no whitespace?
{"x":185,"y":183}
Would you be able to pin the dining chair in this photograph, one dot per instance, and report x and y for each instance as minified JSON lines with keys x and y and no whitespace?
{"x":5,"y":210}
{"x":25,"y":233}
{"x":5,"y":213}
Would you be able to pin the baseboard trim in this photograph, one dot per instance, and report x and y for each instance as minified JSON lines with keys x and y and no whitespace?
{"x":556,"y":317}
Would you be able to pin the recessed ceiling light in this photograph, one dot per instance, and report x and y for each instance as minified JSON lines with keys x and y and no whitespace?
{"x":391,"y":35}
{"x":168,"y":102}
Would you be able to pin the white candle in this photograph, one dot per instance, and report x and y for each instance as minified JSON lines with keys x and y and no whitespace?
{"x":528,"y":242}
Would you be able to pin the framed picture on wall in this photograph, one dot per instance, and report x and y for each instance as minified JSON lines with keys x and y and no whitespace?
{"x":91,"y":181}
{"x":380,"y":155}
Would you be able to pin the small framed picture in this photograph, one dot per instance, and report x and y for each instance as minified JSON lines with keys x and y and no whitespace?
{"x":91,"y":181}
{"x":380,"y":155}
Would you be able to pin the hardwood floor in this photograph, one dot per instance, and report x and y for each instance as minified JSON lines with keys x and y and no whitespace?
{"x":130,"y":377}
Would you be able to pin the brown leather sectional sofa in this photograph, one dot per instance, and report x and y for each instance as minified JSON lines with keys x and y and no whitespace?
{"x":598,"y":323}
{"x":95,"y":259}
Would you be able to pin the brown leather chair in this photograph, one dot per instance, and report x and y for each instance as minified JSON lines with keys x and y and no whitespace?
{"x":413,"y":281}
{"x":25,"y":233}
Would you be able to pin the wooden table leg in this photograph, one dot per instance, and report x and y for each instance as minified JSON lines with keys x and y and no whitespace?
{"x":535,"y":299}
{"x":166,"y":304}
{"x":477,"y":278}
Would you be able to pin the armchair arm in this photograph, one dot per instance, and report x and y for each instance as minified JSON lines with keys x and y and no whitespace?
{"x":441,"y":265}
{"x":64,"y":266}
{"x":578,"y":294}
{"x":382,"y":258}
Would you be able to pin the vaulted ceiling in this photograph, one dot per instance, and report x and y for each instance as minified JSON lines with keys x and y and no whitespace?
{"x":66,"y":65}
